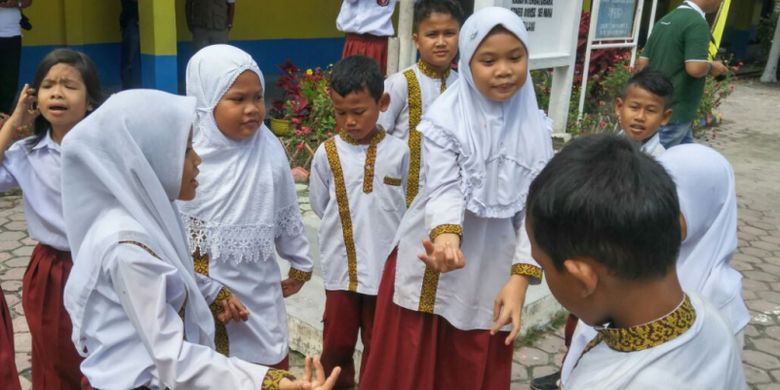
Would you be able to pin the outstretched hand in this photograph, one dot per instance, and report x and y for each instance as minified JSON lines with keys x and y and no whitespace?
{"x":307,"y":383}
{"x":508,"y":306}
{"x":444,"y":254}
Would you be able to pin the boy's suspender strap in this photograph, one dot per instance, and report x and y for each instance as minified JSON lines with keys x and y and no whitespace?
{"x":415,"y":115}
{"x":343,"y":203}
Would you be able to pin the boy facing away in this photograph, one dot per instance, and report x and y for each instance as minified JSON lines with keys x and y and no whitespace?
{"x":436,"y":26}
{"x":604,"y":223}
{"x":357,"y":188}
{"x":644,"y":106}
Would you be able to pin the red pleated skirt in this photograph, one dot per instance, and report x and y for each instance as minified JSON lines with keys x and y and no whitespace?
{"x":368,"y":45}
{"x":55,"y":362}
{"x":9,"y":377}
{"x":414,"y":350}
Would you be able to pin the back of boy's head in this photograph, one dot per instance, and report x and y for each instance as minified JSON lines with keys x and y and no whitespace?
{"x":651,"y":81}
{"x":357,"y":73}
{"x":424,"y":8}
{"x":600,"y":197}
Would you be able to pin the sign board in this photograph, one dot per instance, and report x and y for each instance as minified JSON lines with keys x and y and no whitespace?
{"x":616,"y":19}
{"x":550,"y":25}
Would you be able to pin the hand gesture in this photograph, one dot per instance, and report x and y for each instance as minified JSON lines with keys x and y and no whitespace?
{"x":718,"y":68}
{"x":290,"y":287}
{"x":508,"y":306}
{"x":320,"y":383}
{"x":232,"y":310}
{"x":25,"y":111}
{"x":444,"y":254}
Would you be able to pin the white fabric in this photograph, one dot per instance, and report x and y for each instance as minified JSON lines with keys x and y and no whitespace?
{"x":708,"y":201}
{"x":375,"y":216}
{"x":396,"y":119}
{"x":239,"y":218}
{"x":9,"y":22}
{"x":36,"y":170}
{"x":120,"y":326}
{"x":366,"y":17}
{"x":652,"y":146}
{"x":704,"y":357}
{"x":491,"y":245}
{"x":693,"y":6}
{"x":501,"y":147}
{"x":121,"y":172}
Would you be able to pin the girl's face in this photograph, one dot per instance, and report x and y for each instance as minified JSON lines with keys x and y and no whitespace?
{"x":241,"y":109}
{"x":62,"y":97}
{"x":189,"y":184}
{"x":499,"y":66}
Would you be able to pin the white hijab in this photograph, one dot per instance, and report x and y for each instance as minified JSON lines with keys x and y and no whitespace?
{"x":121,"y":170}
{"x":708,"y":201}
{"x":246,"y":196}
{"x":501,"y":146}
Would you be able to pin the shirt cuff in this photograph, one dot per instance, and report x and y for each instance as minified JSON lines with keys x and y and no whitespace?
{"x":274,"y":377}
{"x":529,"y":270}
{"x":448,"y":228}
{"x":216,"y":306}
{"x":298,"y":275}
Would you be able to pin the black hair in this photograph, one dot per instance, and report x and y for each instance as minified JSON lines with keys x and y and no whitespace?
{"x":424,"y":8}
{"x":651,"y":81}
{"x":86,"y":69}
{"x":355,"y":74}
{"x":601,"y":197}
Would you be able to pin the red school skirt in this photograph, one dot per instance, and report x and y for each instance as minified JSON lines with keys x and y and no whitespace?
{"x":9,"y":377}
{"x":368,"y":45}
{"x":414,"y":350}
{"x":55,"y":362}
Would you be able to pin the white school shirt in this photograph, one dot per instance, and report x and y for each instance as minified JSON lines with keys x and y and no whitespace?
{"x":652,"y":146}
{"x":263,"y":338}
{"x":36,"y":171}
{"x":366,"y":17}
{"x":493,"y":248}
{"x":372,"y":217}
{"x":9,"y":22}
{"x":396,"y":119}
{"x":705,"y":356}
{"x":137,"y":339}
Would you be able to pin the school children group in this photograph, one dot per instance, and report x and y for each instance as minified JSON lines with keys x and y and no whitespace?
{"x":158,"y":218}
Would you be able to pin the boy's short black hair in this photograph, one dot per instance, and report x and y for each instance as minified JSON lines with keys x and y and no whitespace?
{"x":601,"y":197}
{"x":357,"y":73}
{"x":424,"y":8}
{"x":654,"y":82}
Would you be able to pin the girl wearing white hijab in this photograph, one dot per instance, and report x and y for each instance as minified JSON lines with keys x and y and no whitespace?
{"x":246,"y":205}
{"x":484,"y":140}
{"x":708,"y":202}
{"x":138,"y":315}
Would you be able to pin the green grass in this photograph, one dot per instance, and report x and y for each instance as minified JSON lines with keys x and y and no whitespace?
{"x":534,"y":334}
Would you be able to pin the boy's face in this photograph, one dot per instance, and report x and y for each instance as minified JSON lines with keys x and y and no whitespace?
{"x":641,"y":113}
{"x":573,"y":286}
{"x":499,"y":66}
{"x":436,"y":39}
{"x":358,"y":112}
{"x":241,"y":110}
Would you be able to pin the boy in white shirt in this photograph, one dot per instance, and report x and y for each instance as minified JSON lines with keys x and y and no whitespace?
{"x":604,"y":223}
{"x":357,"y":188}
{"x":644,"y":106}
{"x":436,"y":27}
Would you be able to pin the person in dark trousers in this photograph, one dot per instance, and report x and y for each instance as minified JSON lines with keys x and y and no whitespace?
{"x":131,"y":45}
{"x":10,"y":50}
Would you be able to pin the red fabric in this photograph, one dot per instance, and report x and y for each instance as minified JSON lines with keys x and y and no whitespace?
{"x":568,"y":330}
{"x":423,"y":351}
{"x":283,"y":365}
{"x":346,"y":314}
{"x":367,"y":45}
{"x":9,"y":377}
{"x":55,"y":363}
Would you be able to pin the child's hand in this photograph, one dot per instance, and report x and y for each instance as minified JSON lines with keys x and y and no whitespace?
{"x":509,"y":306}
{"x":290,"y":287}
{"x":24,"y":113}
{"x":306,"y":383}
{"x":232,"y":310}
{"x":444,"y":254}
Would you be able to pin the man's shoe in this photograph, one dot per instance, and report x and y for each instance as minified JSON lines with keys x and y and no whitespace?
{"x":547,"y":382}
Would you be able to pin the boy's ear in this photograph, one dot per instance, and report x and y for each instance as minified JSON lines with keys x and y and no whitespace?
{"x":415,"y":38}
{"x":585,"y":276}
{"x":384,"y":102}
{"x":618,"y":105}
{"x":667,"y":116}
{"x":683,"y":228}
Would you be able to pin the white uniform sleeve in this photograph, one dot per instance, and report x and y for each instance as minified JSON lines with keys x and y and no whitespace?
{"x":208,"y":287}
{"x":140,"y":281}
{"x":10,"y":160}
{"x":395,"y":87}
{"x":446,"y":205}
{"x":319,"y":182}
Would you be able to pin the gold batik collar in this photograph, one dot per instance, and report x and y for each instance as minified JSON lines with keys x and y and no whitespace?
{"x":375,"y":139}
{"x":649,"y":335}
{"x":432,"y":73}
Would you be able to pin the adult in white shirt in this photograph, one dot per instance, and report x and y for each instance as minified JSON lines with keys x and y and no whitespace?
{"x":367,"y":24}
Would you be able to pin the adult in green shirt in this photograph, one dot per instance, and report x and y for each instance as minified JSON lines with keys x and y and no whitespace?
{"x":677,"y":47}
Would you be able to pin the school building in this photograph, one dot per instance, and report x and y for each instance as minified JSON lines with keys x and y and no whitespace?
{"x":273,"y":31}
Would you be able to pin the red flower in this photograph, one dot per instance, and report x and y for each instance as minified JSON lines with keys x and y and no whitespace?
{"x":299,"y":146}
